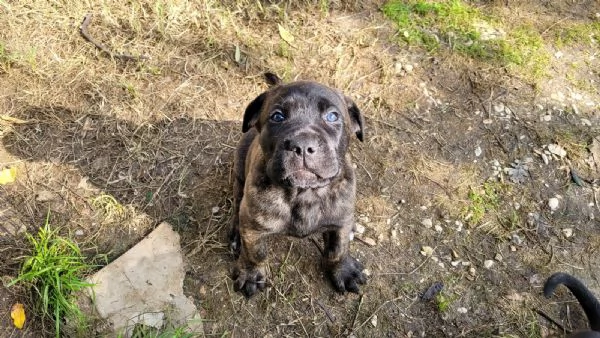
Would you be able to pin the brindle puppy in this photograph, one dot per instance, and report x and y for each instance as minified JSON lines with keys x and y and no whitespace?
{"x":586,"y":299}
{"x":293,"y":176}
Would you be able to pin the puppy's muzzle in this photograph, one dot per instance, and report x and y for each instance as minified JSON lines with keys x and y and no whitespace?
{"x":303,"y":145}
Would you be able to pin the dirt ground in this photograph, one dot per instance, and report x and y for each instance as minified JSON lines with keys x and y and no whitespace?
{"x":454,"y":177}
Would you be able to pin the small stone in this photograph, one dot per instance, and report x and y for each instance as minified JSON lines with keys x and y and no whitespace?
{"x":427,"y":222}
{"x":513,"y":248}
{"x":498,"y":257}
{"x":499,"y":107}
{"x":426,"y":251}
{"x":367,"y":272}
{"x":478,"y":151}
{"x":535,"y":279}
{"x":359,"y":228}
{"x":438,"y":228}
{"x":472,"y":271}
{"x":545,"y":158}
{"x":557,"y":150}
{"x":374,"y":320}
{"x":78,"y":232}
{"x":408,"y":68}
{"x":547,"y":118}
{"x":215,"y":209}
{"x":553,"y":203}
{"x":462,"y":310}
{"x":351,"y":236}
{"x":558,"y":54}
{"x":586,"y":122}
{"x":455,"y":263}
{"x":488,"y":263}
{"x":487,"y":121}
{"x":369,"y":241}
{"x":455,"y":254}
{"x":568,"y":232}
{"x":394,"y":234}
{"x":516,"y":239}
{"x":398,"y":68}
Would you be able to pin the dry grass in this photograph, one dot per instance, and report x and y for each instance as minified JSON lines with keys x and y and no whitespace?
{"x":114,"y":147}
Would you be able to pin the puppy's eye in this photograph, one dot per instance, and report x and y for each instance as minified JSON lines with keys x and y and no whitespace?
{"x":277,"y":116}
{"x":332,"y":116}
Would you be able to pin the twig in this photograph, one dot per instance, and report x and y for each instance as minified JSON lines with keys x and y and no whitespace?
{"x":377,"y":310}
{"x":327,"y":312}
{"x":411,"y":272}
{"x":357,"y":312}
{"x":125,"y":56}
{"x":551,"y":320}
{"x":314,"y":241}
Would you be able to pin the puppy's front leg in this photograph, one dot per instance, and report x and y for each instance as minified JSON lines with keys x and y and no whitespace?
{"x":249,"y":273}
{"x":343,"y":270}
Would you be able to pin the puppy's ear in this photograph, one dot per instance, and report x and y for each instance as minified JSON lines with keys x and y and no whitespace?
{"x":356,"y":118}
{"x":272,"y":79}
{"x":252,"y":113}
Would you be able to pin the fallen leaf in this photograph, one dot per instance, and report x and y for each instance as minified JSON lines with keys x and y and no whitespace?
{"x":286,"y":35}
{"x":17,"y":313}
{"x":8,"y":175}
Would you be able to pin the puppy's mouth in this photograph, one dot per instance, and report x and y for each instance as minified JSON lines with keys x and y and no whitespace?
{"x":305,"y":179}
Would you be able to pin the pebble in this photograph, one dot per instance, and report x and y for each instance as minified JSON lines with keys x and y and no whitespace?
{"x":426,"y":251}
{"x":427,"y":222}
{"x":487,"y":121}
{"x":478,"y":151}
{"x":394,"y":234}
{"x":498,"y":257}
{"x":557,"y":150}
{"x":553,"y":203}
{"x":369,"y":241}
{"x":359,"y":228}
{"x":398,"y":68}
{"x":408,"y":68}
{"x":215,"y":210}
{"x":462,"y":310}
{"x":568,"y":232}
{"x":79,"y":232}
{"x":546,"y":118}
{"x":367,"y":272}
{"x":499,"y":107}
{"x":488,"y":263}
{"x":438,"y":228}
{"x":586,"y":122}
{"x":472,"y":271}
{"x":374,"y":320}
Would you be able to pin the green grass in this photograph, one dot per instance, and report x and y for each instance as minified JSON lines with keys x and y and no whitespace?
{"x":586,"y":33}
{"x":54,"y":272}
{"x":457,"y":26}
{"x":482,"y":201}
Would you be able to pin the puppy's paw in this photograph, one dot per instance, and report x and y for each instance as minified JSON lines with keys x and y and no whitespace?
{"x":346,"y":274}
{"x":235,"y":242}
{"x":248,"y":281}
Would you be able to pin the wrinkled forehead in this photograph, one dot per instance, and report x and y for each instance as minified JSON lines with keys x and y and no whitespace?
{"x":305,"y":95}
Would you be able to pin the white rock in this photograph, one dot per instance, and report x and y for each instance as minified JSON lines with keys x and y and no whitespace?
{"x":568,"y":232}
{"x":78,"y":232}
{"x":558,"y":54}
{"x":545,"y":158}
{"x":462,"y":310}
{"x":408,"y":68}
{"x":374,"y":320}
{"x":398,"y":68}
{"x":478,"y":151}
{"x":359,"y":228}
{"x":488,"y":263}
{"x":557,"y":150}
{"x":498,"y":257}
{"x":427,"y":222}
{"x":438,"y":228}
{"x":586,"y":122}
{"x":487,"y":121}
{"x":499,"y":107}
{"x":426,"y":251}
{"x":553,"y":203}
{"x":472,"y":271}
{"x":546,"y":118}
{"x":367,"y":272}
{"x":215,"y":209}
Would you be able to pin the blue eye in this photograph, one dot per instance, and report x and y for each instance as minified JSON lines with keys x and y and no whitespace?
{"x":332,"y":116}
{"x":277,"y":116}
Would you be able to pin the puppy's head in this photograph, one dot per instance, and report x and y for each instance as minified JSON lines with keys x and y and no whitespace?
{"x":304,"y":129}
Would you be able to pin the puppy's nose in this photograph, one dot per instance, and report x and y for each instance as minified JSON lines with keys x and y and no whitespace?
{"x":302,"y":146}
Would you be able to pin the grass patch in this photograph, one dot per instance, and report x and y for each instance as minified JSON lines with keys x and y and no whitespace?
{"x":443,"y":302}
{"x":482,"y":201}
{"x":577,"y":33}
{"x":460,"y":27}
{"x":54,"y":273}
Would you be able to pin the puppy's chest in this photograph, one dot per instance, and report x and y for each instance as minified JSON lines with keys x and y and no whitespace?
{"x":311,"y":213}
